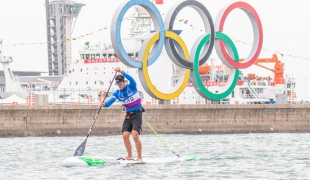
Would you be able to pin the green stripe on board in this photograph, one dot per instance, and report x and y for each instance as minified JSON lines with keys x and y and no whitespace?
{"x":92,"y":161}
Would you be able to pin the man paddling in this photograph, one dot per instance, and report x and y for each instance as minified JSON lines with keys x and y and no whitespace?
{"x":129,"y":96}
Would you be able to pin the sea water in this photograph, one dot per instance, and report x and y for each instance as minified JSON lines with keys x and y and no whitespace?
{"x":229,"y":156}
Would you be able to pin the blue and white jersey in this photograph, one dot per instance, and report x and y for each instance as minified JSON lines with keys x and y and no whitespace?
{"x":129,"y":96}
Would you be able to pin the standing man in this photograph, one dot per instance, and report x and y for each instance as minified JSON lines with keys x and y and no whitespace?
{"x":129,"y":96}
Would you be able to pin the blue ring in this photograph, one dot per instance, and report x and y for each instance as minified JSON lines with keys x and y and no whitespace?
{"x":124,"y":55}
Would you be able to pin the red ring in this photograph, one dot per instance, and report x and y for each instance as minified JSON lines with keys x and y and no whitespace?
{"x":248,"y":63}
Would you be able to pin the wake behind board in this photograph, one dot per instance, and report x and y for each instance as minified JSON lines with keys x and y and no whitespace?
{"x":80,"y":161}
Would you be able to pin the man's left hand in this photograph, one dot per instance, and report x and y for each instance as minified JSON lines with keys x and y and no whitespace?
{"x":118,"y":69}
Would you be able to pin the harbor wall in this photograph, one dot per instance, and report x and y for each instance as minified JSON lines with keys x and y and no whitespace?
{"x":75,"y":120}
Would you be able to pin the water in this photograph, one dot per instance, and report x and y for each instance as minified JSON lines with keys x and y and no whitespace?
{"x":235,"y":156}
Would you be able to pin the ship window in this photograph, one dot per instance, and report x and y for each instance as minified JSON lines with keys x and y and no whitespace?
{"x":81,"y":69}
{"x":93,"y":56}
{"x":87,"y":56}
{"x":72,"y":70}
{"x":86,"y":82}
{"x":76,"y":83}
{"x":70,"y":83}
{"x":83,"y":56}
{"x":110,"y":55}
{"x":115,"y":55}
{"x":97,"y":56}
{"x":95,"y":82}
{"x":233,"y":94}
{"x":130,"y":54}
{"x":104,"y":55}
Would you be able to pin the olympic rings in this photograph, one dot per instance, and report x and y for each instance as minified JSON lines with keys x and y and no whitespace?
{"x":178,"y":52}
{"x":143,"y":73}
{"x":116,"y":31}
{"x":257,"y":30}
{"x":234,"y":73}
{"x":209,"y":27}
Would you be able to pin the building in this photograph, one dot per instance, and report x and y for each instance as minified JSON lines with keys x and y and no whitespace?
{"x":60,"y":16}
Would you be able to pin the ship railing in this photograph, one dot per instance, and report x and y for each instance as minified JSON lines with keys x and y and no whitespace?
{"x":80,"y":96}
{"x":253,"y":91}
{"x":251,"y":96}
{"x":301,"y":102}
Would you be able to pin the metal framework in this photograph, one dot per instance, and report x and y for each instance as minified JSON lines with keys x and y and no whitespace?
{"x":59,"y":17}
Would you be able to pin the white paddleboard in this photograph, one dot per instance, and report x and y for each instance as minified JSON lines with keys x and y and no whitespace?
{"x":78,"y":161}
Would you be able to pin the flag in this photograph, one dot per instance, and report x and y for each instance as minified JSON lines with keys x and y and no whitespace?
{"x":159,"y":1}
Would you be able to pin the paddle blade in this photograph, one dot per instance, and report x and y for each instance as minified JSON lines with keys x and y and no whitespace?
{"x":80,"y":150}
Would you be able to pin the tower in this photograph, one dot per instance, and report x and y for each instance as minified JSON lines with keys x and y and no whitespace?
{"x":60,"y":15}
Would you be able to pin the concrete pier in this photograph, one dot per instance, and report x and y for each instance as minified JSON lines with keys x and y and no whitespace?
{"x":75,"y":120}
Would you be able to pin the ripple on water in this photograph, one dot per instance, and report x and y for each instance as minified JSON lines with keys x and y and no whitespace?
{"x":250,"y":156}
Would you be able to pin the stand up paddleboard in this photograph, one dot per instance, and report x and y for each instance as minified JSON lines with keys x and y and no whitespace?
{"x":84,"y":161}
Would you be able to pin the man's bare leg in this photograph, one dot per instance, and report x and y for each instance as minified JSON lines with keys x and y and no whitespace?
{"x":136,"y":138}
{"x":127,"y":143}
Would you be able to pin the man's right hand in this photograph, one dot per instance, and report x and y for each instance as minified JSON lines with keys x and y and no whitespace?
{"x":102,"y":104}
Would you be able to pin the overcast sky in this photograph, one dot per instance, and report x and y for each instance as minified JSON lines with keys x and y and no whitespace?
{"x":285,"y":23}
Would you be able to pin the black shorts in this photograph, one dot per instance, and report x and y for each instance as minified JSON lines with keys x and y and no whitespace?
{"x":133,"y":121}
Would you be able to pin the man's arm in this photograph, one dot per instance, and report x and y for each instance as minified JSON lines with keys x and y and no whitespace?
{"x":110,"y":101}
{"x":132,"y":83}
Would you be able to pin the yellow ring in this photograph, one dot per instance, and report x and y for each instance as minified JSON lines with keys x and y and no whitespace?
{"x":158,"y":94}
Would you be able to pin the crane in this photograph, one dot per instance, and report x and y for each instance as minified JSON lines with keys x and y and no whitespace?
{"x":278,"y":69}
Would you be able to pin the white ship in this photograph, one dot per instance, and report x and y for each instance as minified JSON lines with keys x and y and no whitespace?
{"x":90,"y":76}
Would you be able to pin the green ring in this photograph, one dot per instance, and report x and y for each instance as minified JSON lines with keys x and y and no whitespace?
{"x":205,"y":92}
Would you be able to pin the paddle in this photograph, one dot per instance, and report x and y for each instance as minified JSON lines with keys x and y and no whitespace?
{"x":186,"y":159}
{"x":80,"y":150}
{"x":160,"y":139}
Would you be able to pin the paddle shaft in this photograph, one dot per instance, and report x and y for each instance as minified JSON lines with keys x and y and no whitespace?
{"x":161,"y":139}
{"x":100,"y":107}
{"x":80,"y":150}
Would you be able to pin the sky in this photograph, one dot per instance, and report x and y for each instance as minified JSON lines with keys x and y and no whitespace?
{"x":286,"y":27}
